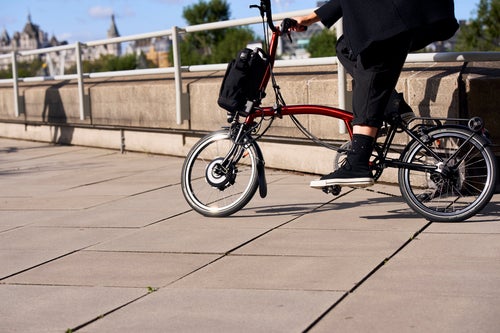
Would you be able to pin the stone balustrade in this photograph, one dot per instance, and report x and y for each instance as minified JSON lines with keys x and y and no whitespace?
{"x":138,"y":113}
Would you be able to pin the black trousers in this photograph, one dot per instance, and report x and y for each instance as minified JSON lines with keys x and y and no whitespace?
{"x":375,"y":72}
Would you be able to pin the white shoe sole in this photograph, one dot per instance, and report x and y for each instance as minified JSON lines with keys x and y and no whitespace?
{"x":356,"y":182}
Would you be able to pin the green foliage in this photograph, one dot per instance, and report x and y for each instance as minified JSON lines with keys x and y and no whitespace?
{"x":206,"y":12}
{"x":152,"y":289}
{"x":122,"y":63}
{"x":322,"y":44}
{"x":6,"y":73}
{"x":234,"y":40}
{"x":214,"y":46}
{"x":108,"y":63}
{"x":201,"y":13}
{"x":30,"y":68}
{"x":25,"y":69}
{"x":483,"y":32}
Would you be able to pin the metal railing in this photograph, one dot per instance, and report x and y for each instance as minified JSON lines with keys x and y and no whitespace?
{"x":182,"y":101}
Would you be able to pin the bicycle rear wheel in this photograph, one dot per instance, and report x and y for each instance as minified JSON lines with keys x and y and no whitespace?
{"x":215,"y":184}
{"x":464,"y":179}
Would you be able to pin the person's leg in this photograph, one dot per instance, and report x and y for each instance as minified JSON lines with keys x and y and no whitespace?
{"x":396,"y":103}
{"x":362,"y":140}
{"x":375,"y":75}
{"x":355,"y":171}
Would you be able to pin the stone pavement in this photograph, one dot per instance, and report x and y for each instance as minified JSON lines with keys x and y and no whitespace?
{"x":97,"y":241}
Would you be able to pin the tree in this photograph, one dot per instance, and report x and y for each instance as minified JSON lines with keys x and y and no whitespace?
{"x":322,"y":44}
{"x":108,"y":63}
{"x":483,"y":32}
{"x":212,"y":46}
{"x":5,"y":74}
{"x":234,"y":40}
{"x":25,"y":69}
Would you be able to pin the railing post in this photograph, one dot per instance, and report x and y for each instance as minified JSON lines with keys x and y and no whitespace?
{"x":15,"y":80}
{"x":342,"y":80}
{"x":181,"y":99}
{"x":79,"y":72}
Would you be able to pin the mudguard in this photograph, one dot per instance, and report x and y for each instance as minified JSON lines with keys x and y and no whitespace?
{"x":261,"y":171}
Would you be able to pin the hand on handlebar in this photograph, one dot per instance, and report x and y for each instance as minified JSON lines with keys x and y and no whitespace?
{"x":299,"y":28}
{"x":302,"y":22}
{"x":290,"y":24}
{"x":296,"y":26}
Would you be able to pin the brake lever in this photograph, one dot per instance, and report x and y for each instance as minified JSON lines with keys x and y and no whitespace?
{"x":262,"y":10}
{"x":289,"y":23}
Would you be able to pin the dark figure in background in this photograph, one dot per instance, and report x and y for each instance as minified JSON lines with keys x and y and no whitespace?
{"x":55,"y":114}
{"x":378,"y":35}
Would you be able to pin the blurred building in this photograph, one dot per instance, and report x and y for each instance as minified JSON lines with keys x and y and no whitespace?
{"x":155,"y":50}
{"x":297,"y":47}
{"x":32,"y":37}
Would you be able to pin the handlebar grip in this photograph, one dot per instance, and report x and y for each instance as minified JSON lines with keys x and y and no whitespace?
{"x":289,"y":23}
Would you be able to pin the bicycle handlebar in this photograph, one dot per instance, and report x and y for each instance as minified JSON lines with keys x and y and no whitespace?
{"x":265,"y":10}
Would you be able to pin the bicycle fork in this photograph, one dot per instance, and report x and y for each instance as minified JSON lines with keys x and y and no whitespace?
{"x":240,"y":142}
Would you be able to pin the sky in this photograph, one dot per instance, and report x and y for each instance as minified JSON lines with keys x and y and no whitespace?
{"x":87,"y":20}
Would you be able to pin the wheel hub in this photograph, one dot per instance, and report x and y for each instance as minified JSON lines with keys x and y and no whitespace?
{"x":453,"y":174}
{"x":220,"y":176}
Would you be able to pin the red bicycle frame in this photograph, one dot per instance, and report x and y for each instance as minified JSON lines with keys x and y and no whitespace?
{"x":287,"y":110}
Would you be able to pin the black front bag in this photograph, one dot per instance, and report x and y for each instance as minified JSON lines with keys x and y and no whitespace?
{"x":242,"y":80}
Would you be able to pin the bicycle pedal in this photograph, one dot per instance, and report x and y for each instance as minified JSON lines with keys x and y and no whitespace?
{"x":334,"y":189}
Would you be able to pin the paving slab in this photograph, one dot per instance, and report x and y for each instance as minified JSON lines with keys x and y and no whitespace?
{"x":290,"y":196}
{"x":15,"y":261}
{"x":55,"y":202}
{"x":411,"y":312}
{"x":97,"y":241}
{"x":13,"y":151}
{"x":35,"y":309}
{"x":103,"y":216}
{"x":454,"y":245}
{"x":167,"y":200}
{"x":134,"y":211}
{"x":114,"y":269}
{"x":240,"y":220}
{"x":361,"y":210}
{"x":165,"y":237}
{"x":489,"y":226}
{"x":339,"y":243}
{"x":281,"y":273}
{"x":439,"y":282}
{"x":226,"y":310}
{"x":46,"y":238}
{"x":11,"y":219}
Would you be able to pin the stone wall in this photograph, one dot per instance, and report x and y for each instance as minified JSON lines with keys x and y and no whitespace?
{"x":138,"y":113}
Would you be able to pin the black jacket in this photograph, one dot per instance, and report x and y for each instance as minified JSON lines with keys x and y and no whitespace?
{"x":367,"y":21}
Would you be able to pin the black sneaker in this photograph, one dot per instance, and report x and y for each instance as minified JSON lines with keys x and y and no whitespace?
{"x":345,"y":176}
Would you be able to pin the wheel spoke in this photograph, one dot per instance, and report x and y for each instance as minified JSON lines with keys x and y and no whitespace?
{"x":460,"y":187}
{"x":218,"y":180}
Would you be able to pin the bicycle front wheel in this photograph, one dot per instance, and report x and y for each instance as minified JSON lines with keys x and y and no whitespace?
{"x":462,"y":182}
{"x":218,"y":177}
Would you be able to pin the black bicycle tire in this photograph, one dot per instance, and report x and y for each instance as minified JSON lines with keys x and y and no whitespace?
{"x":186,"y":181}
{"x":470,"y":210}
